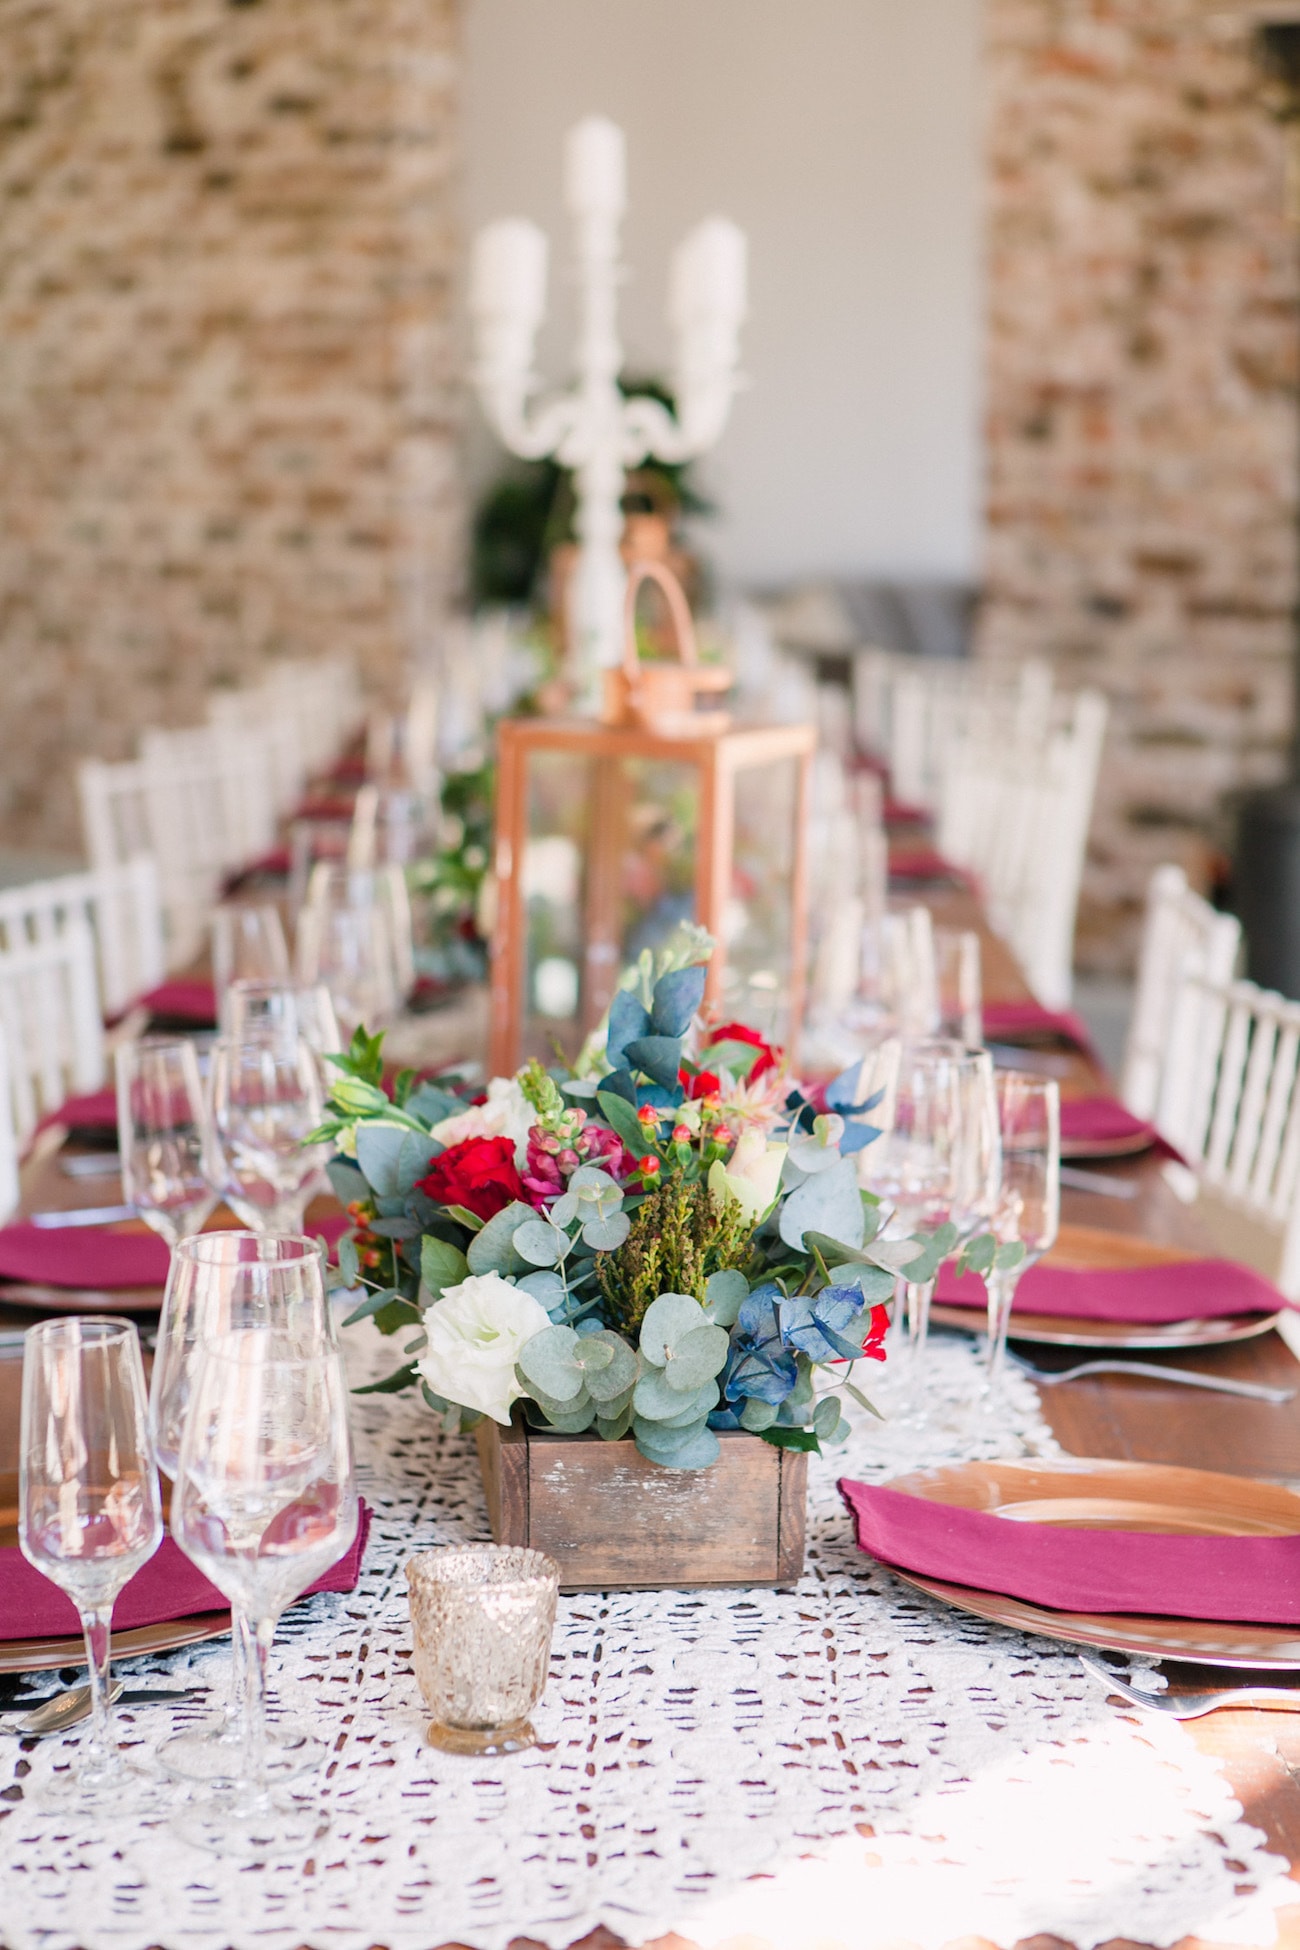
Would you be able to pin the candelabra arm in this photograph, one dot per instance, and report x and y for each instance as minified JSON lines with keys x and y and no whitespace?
{"x":649,"y":428}
{"x":549,"y":427}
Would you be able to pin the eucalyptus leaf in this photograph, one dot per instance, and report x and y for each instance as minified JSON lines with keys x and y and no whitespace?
{"x":554,"y":1410}
{"x":546,"y":1287}
{"x":677,"y":999}
{"x":372,"y":1304}
{"x":549,"y":1362}
{"x":607,"y":1235}
{"x":569,"y":1422}
{"x":391,"y":1384}
{"x":659,"y":1057}
{"x":349,"y":1263}
{"x":347,"y":1183}
{"x":694,"y":1448}
{"x":828,"y":1202}
{"x":896,"y":1255}
{"x":833,"y":1251}
{"x":862,"y":1400}
{"x":565,"y":1209}
{"x":614,"y":1428}
{"x":392,"y":1156}
{"x":668,"y":1319}
{"x":696,"y":1358}
{"x":618,"y":1375}
{"x":873,"y":1282}
{"x":725,"y":1294}
{"x":826,"y":1416}
{"x":441,"y":1265}
{"x":539,"y":1243}
{"x":622,"y":1120}
{"x":757,"y":1415}
{"x":656,"y":1401}
{"x":396,"y":1228}
{"x":431,"y":1104}
{"x":493,"y":1249}
{"x":627,"y":1020}
{"x":463,"y":1216}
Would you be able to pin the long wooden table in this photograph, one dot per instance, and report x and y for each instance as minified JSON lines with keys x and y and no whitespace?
{"x":1107,"y":1415}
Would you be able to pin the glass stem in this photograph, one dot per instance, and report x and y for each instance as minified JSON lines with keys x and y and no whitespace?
{"x":1001,"y":1290}
{"x":241,"y":1657}
{"x":919,"y":1297}
{"x":260,"y":1633}
{"x":101,"y":1744}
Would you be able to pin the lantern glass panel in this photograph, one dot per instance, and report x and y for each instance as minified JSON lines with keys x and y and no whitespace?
{"x":759,"y":915}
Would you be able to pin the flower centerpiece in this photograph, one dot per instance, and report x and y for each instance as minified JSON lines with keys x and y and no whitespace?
{"x":664,"y":1242}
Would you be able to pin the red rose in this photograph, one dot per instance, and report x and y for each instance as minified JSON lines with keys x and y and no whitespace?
{"x":703,"y":1084}
{"x":478,"y":1173}
{"x":739,"y":1032}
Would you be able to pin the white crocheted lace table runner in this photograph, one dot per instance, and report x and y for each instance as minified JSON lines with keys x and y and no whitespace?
{"x":847,"y":1762}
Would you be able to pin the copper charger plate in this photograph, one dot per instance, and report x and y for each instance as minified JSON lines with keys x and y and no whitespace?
{"x":1098,"y":1249}
{"x":1087,"y":1493}
{"x":80,"y":1300}
{"x":40,"y":1655}
{"x":1131,"y":1146}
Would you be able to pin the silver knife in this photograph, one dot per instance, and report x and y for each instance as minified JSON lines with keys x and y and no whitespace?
{"x":82,"y":1215}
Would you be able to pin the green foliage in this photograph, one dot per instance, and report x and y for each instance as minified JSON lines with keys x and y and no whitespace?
{"x":441,"y":1265}
{"x":676,"y":1240}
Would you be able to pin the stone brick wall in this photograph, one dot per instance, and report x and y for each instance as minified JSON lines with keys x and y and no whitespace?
{"x":226,"y":359}
{"x":1142,"y":437}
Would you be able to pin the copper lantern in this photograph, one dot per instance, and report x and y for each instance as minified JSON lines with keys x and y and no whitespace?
{"x":609,"y":834}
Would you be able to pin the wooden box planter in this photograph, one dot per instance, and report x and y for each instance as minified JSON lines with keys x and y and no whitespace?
{"x":613,"y":1521}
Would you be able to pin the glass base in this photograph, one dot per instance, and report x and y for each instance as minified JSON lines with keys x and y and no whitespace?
{"x":215,"y":1751}
{"x":250,"y":1829}
{"x":512,"y":1739}
{"x":120,"y":1788}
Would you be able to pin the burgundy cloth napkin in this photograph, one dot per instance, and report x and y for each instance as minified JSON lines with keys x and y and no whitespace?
{"x":194,"y":1002}
{"x":897,"y":812}
{"x":167,"y":1587}
{"x":1190,"y":1289}
{"x":273,"y":865}
{"x":1004,"y":1019}
{"x":1249,"y":1580}
{"x":82,"y":1256}
{"x":1105,"y":1121}
{"x":337,"y":806}
{"x":95,"y":1111}
{"x":924,"y":863}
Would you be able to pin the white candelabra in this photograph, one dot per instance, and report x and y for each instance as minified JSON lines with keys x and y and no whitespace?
{"x":593,"y":429}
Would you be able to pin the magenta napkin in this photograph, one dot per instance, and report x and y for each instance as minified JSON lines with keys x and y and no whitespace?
{"x":82,"y":1256}
{"x":924,"y":863}
{"x":1005,"y":1019}
{"x":194,"y":1002}
{"x":1105,"y":1121}
{"x":1190,"y":1289}
{"x":95,"y":1111}
{"x":1249,"y":1580}
{"x":167,"y":1587}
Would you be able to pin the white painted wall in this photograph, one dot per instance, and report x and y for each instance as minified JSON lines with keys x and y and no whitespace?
{"x":843,"y":136}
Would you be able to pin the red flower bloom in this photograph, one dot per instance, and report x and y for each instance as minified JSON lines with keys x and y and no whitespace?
{"x":703,"y":1084}
{"x":479,"y":1173}
{"x":738,"y":1032}
{"x":873,"y":1347}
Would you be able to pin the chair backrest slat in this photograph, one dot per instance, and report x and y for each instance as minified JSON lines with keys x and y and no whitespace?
{"x":49,"y":1017}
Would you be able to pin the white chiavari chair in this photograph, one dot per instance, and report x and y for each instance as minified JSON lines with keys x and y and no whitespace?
{"x":1230,"y":1103}
{"x":257,"y":711}
{"x":210,"y":811}
{"x":122,"y":907}
{"x":1182,"y":936}
{"x":50,"y":1021}
{"x":916,"y":714}
{"x":9,"y":1188}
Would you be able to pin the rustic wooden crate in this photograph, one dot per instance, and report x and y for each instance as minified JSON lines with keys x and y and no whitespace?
{"x":612,"y":1520}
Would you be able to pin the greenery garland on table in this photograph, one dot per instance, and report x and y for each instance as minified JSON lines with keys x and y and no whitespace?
{"x":667,"y":1241}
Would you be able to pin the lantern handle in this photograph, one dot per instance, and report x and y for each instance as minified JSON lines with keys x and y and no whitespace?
{"x":678,"y":608}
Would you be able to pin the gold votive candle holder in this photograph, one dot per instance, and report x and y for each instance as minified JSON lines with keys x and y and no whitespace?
{"x":482,"y":1618}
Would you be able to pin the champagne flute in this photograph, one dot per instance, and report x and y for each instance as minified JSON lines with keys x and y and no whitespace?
{"x":1028,"y":1204}
{"x":265,"y":1501}
{"x":163,"y":1135}
{"x":89,"y":1510}
{"x":218,"y":1282}
{"x":248,"y":944}
{"x":266,"y":1102}
{"x":938,"y":1165}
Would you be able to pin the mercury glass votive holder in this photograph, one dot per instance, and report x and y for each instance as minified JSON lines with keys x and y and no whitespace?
{"x":482,"y":1618}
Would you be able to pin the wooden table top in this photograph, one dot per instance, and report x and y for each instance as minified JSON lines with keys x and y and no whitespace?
{"x":1100,"y":1416}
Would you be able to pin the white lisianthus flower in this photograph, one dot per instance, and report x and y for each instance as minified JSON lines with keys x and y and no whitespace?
{"x":507,"y":1113}
{"x":476,"y":1331}
{"x":751,"y":1176}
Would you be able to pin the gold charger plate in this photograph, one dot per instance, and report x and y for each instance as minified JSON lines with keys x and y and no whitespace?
{"x":1084,"y":1492}
{"x":1097,"y":1249}
{"x":80,"y":1300}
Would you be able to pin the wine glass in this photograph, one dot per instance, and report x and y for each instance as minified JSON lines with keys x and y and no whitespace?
{"x":248,"y":944}
{"x":1028,"y":1203}
{"x":347,"y":950}
{"x":957,"y":984}
{"x":218,"y":1282}
{"x":937,"y":1165}
{"x":89,"y":1511}
{"x":275,"y":1012}
{"x":267,"y":1099}
{"x":163,"y":1135}
{"x":265,"y":1501}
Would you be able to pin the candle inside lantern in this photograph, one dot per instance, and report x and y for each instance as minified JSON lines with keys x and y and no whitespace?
{"x":708,"y":277}
{"x":595,"y":168}
{"x":508,"y":271}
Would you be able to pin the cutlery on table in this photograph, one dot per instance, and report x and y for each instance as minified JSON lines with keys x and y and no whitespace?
{"x":59,"y":1711}
{"x":1254,"y":1391}
{"x":82,"y":1215}
{"x":1075,"y":1180}
{"x":1191,"y":1706}
{"x":91,"y":1164}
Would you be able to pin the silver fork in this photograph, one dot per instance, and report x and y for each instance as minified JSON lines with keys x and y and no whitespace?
{"x":1191,"y":1706}
{"x":1254,"y":1391}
